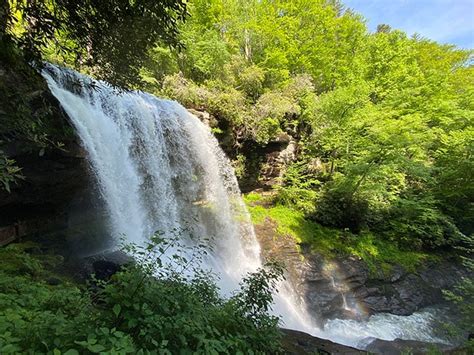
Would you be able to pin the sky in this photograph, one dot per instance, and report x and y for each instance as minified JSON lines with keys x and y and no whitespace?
{"x":445,"y":21}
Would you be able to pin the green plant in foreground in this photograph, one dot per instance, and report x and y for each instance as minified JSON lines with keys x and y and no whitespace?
{"x":156,"y":306}
{"x":9,"y":172}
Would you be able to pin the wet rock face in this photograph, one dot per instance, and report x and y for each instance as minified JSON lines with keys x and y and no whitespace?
{"x":49,"y":181}
{"x":57,"y":187}
{"x":296,"y":342}
{"x":399,"y":346}
{"x":346,"y":288}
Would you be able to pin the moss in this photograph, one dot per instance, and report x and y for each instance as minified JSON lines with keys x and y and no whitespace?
{"x":380,"y":253}
{"x":252,"y":197}
{"x":14,"y":260}
{"x":377,"y":253}
{"x":27,"y":259}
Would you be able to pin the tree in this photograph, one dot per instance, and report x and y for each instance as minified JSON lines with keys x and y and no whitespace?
{"x":111,"y":37}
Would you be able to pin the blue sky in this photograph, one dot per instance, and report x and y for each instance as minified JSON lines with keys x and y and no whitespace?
{"x":445,"y":21}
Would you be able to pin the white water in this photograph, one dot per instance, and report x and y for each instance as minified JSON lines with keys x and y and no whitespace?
{"x":417,"y":326}
{"x":160,"y":169}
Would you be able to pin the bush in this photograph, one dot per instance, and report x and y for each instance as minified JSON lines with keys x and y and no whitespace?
{"x":250,"y":81}
{"x":148,"y":306}
{"x":337,"y":207}
{"x":419,"y":223}
{"x":299,"y":188}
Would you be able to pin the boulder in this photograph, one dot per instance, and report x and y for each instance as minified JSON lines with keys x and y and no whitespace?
{"x":296,"y":342}
{"x":100,"y":266}
{"x":399,"y":347}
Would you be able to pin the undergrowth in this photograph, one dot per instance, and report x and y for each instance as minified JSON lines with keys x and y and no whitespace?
{"x":148,"y":307}
{"x":330,"y":242}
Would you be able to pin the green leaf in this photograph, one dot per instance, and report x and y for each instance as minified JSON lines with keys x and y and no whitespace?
{"x":97,"y":348}
{"x":117,"y":308}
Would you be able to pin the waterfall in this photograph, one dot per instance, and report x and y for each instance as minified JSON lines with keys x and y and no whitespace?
{"x":159,"y":168}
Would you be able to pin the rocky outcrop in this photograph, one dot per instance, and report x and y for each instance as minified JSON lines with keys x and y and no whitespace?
{"x":57,"y":203}
{"x":98,"y":266}
{"x":295,"y":343}
{"x":399,"y":347}
{"x":345,"y":287}
{"x":205,"y":117}
{"x":279,"y":154}
{"x":56,"y":199}
{"x":264,"y":164}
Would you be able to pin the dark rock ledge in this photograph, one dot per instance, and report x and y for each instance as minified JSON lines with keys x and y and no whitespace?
{"x":296,"y":342}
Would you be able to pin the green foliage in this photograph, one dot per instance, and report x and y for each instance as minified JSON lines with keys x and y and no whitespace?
{"x":111,"y":37}
{"x":462,"y":295}
{"x":330,"y":242}
{"x":387,"y":118}
{"x":9,"y":172}
{"x":148,"y":306}
{"x":205,"y":55}
{"x":337,"y":206}
{"x":417,"y":222}
{"x":250,"y":81}
{"x":299,"y":187}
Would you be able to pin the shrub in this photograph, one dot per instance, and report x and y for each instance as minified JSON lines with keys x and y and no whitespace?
{"x":299,"y":188}
{"x":148,"y":306}
{"x":417,"y":222}
{"x":337,"y":207}
{"x":251,"y":81}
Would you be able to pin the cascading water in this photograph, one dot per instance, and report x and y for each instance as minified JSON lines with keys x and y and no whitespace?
{"x":160,"y":169}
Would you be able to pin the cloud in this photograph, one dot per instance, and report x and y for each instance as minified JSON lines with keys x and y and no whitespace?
{"x":446,"y":21}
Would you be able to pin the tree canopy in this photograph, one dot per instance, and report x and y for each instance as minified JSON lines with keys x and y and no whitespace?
{"x":111,"y":37}
{"x":383,"y":121}
{"x":389,"y":117}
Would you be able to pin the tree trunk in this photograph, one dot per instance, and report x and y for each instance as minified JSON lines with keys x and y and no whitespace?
{"x":247,"y":46}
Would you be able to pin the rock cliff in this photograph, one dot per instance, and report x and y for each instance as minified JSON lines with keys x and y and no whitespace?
{"x":56,"y":198}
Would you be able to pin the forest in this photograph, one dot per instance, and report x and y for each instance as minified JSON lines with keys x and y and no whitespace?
{"x":383,"y":123}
